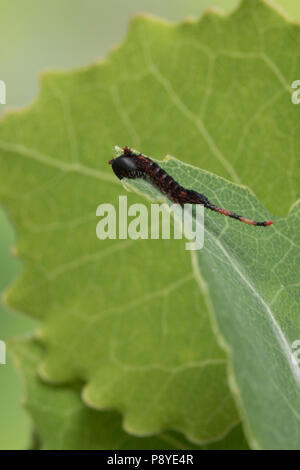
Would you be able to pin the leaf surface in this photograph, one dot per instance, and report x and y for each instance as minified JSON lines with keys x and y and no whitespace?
{"x":127,"y":318}
{"x":251,"y":277}
{"x":64,"y":422}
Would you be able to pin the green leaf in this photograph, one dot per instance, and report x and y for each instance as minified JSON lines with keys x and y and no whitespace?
{"x":251,"y":276}
{"x":127,"y":318}
{"x":64,"y":422}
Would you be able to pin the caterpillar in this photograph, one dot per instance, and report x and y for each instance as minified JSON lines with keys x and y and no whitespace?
{"x":131,"y":165}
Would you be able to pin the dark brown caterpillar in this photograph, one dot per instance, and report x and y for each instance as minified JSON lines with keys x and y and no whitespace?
{"x":131,"y":165}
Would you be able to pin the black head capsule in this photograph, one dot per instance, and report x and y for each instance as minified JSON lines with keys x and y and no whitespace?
{"x":124,"y":167}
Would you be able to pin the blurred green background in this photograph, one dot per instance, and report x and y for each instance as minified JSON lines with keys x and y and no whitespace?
{"x":48,"y":34}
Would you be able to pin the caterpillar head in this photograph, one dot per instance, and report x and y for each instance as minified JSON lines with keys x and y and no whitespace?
{"x":124,"y":167}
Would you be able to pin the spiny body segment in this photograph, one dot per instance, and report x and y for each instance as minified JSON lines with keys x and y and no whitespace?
{"x":131,"y":165}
